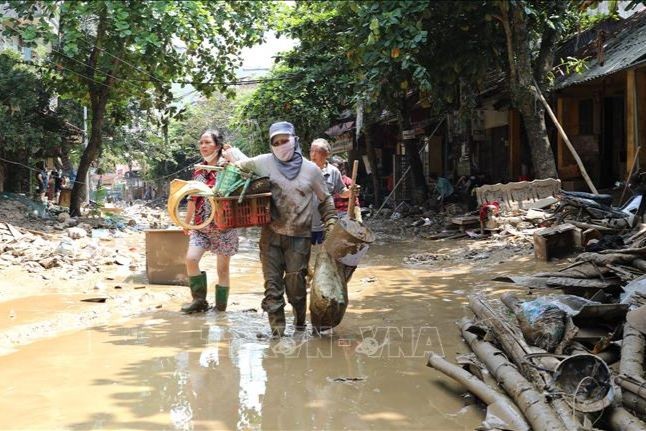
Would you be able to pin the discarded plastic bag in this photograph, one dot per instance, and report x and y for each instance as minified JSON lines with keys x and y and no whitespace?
{"x":542,"y":323}
{"x":328,"y":294}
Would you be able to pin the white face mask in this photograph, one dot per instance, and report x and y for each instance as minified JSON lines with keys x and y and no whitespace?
{"x":285,"y":152}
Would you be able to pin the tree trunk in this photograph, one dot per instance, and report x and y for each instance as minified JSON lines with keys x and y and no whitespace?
{"x":90,"y":153}
{"x":517,"y":349}
{"x":620,"y":420}
{"x":524,"y":95}
{"x":420,"y":189}
{"x":632,"y":352}
{"x":504,"y":408}
{"x":533,"y":115}
{"x":372,"y":158}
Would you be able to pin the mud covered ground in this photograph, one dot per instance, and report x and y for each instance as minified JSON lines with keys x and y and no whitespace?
{"x":134,"y":362}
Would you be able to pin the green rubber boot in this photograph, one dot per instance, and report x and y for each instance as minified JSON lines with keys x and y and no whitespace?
{"x":198,"y":292}
{"x":221,"y":297}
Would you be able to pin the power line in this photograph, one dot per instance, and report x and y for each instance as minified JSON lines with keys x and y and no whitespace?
{"x":176,"y":172}
{"x":60,"y":66}
{"x":85,"y":65}
{"x":156,"y":79}
{"x":13,"y":162}
{"x":188,"y":166}
{"x":19,"y":164}
{"x":84,"y":39}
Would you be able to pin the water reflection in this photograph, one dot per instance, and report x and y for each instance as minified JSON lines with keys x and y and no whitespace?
{"x":248,"y":357}
{"x":181,"y":413}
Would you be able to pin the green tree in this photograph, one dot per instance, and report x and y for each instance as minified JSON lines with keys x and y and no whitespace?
{"x":110,"y":52}
{"x":516,"y":37}
{"x":385,"y":51}
{"x":376,"y":54}
{"x":29,"y":129}
{"x":179,"y":146}
{"x":310,"y":85}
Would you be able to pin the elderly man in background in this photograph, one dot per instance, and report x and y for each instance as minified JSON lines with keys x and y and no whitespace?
{"x":319,"y":152}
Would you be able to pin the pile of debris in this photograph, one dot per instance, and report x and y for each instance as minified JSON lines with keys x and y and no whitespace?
{"x":141,"y":215}
{"x":79,"y":252}
{"x":409,"y":221}
{"x":497,"y":248}
{"x":571,"y":358}
{"x":23,"y":212}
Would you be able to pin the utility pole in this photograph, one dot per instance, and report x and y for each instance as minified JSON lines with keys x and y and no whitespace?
{"x":85,"y":144}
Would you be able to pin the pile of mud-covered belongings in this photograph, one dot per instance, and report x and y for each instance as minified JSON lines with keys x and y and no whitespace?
{"x":520,"y":209}
{"x":570,"y":353}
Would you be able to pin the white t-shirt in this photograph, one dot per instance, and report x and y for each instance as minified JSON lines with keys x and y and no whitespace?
{"x":334,"y":183}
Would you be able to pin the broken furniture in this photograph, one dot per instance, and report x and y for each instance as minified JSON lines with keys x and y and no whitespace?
{"x":555,"y":242}
{"x":521,"y":195}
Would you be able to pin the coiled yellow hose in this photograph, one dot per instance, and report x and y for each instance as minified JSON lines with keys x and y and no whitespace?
{"x":179,"y":189}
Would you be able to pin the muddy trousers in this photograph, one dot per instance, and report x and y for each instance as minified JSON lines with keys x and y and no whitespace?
{"x":284,"y":267}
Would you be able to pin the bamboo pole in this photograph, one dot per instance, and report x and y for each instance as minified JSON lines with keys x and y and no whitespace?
{"x":353,"y":197}
{"x":584,"y":173}
{"x":632,"y":353}
{"x":634,"y":403}
{"x":531,"y":402}
{"x":621,"y":420}
{"x":517,"y":349}
{"x":505,"y":409}
{"x":636,"y":385}
{"x":630,"y":174}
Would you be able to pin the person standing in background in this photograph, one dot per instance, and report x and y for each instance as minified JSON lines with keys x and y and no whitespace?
{"x":319,"y":153}
{"x":42,"y":180}
{"x":340,"y":202}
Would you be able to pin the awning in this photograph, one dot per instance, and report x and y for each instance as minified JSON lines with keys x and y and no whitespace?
{"x":625,"y":49}
{"x":340,"y":129}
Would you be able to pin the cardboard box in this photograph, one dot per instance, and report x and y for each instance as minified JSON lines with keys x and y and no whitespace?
{"x":165,"y":256}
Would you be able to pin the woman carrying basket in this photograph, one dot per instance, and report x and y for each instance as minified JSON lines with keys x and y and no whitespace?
{"x":223,"y":243}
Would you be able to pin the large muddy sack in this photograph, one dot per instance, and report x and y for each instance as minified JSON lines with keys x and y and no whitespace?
{"x":347,"y":238}
{"x":328,"y":294}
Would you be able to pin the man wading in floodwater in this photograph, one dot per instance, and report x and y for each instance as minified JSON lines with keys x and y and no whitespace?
{"x":285,"y":243}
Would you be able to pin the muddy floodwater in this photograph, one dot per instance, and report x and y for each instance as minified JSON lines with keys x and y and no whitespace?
{"x":164,"y":370}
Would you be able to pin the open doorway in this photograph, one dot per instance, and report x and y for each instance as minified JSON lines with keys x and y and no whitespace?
{"x":613,"y":141}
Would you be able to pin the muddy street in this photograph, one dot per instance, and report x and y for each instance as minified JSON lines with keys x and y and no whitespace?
{"x":116,"y":365}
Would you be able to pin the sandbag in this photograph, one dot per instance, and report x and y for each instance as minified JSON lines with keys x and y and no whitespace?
{"x":328,"y":294}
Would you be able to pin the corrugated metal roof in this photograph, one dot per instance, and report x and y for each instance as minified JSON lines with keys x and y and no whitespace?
{"x":625,"y":49}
